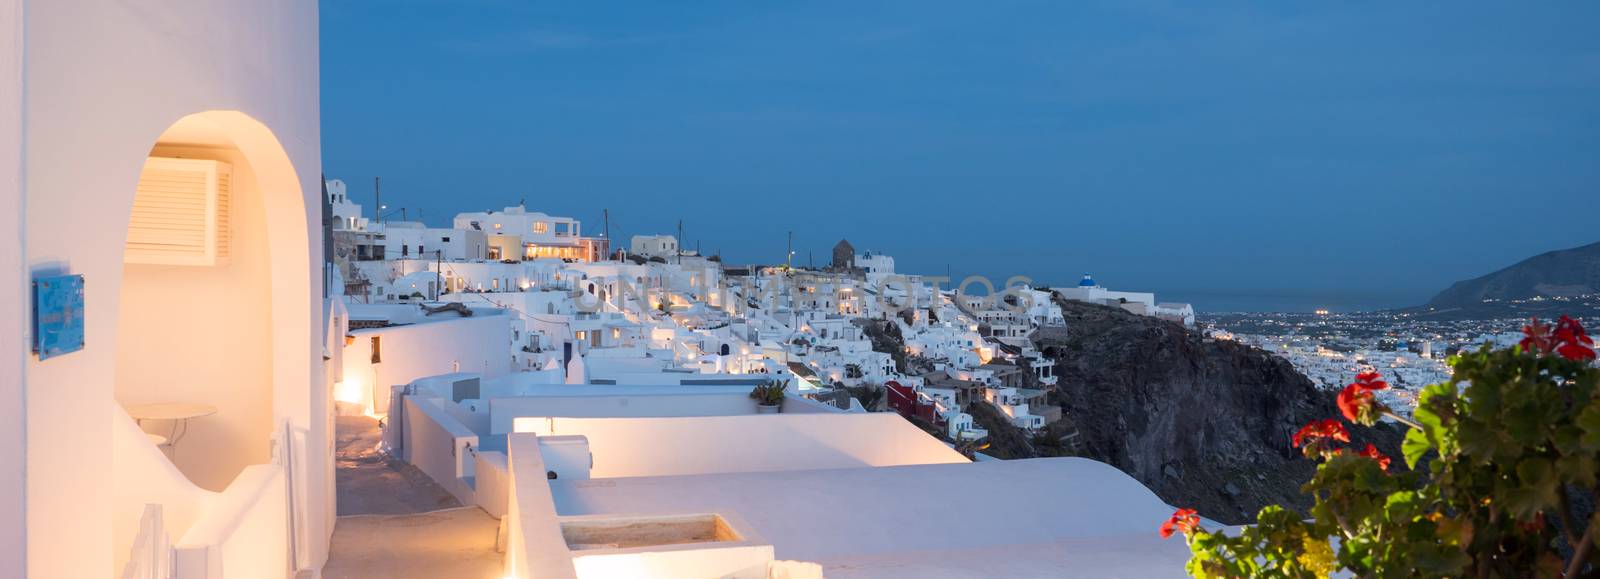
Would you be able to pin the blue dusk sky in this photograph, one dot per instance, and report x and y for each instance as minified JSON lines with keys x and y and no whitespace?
{"x":1369,"y":151}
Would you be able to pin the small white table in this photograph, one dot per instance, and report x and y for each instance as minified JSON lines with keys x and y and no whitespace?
{"x":179,"y":413}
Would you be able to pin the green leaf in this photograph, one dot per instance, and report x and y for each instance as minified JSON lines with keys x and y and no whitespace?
{"x":1536,"y":472}
{"x":1579,"y":470}
{"x":1568,"y":439}
{"x":1589,"y":421}
{"x":1535,"y":490}
{"x":1440,"y":562}
{"x":1433,"y":397}
{"x":1525,"y":421}
{"x":1594,"y":530}
{"x":1416,"y":444}
{"x":1479,"y":441}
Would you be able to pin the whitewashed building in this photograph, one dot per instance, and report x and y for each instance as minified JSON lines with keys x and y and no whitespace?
{"x":346,"y":213}
{"x":414,"y":240}
{"x":662,"y":246}
{"x":518,"y":234}
{"x":1142,"y":303}
{"x":229,"y":320}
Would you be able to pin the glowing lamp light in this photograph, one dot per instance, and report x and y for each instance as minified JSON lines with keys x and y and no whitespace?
{"x":349,"y":391}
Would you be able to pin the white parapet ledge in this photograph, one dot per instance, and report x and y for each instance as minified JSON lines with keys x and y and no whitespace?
{"x":241,"y":523}
{"x":535,"y":545}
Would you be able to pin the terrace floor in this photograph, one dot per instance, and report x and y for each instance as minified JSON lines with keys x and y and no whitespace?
{"x":371,"y":483}
{"x":395,"y":522}
{"x":450,"y":543}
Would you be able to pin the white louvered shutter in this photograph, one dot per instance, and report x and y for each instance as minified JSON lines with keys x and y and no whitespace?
{"x":181,"y":213}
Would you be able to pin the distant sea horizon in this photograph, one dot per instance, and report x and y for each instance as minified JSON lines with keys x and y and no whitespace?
{"x":1209,"y":302}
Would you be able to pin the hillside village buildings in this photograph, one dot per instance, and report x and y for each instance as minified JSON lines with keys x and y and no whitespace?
{"x":170,"y":399}
{"x":665,"y":311}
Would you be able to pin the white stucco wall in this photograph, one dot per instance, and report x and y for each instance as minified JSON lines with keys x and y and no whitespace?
{"x":13,"y":322}
{"x":492,"y":482}
{"x":103,"y":80}
{"x":479,"y":344}
{"x":434,"y":444}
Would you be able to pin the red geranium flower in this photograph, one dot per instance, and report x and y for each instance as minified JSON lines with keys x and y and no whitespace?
{"x":1184,"y":520}
{"x":1318,"y":436}
{"x":1537,"y":338}
{"x":1371,"y":381}
{"x":1566,"y":339}
{"x":1533,"y":526}
{"x":1356,"y":401}
{"x":1372,"y":452}
{"x":1571,"y":341}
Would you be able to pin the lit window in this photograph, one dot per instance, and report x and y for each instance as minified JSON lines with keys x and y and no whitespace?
{"x":541,"y":227}
{"x":497,"y":226}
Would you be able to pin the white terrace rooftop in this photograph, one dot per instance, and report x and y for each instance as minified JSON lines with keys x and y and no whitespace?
{"x":681,"y":482}
{"x":1059,"y":517}
{"x":840,"y":495}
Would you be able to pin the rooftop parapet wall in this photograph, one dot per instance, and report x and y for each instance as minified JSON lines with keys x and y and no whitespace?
{"x":505,"y":412}
{"x":535,"y":547}
{"x":440,"y":445}
{"x":631,"y":447}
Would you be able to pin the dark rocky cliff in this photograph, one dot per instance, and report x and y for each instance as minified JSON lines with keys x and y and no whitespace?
{"x":1204,"y":424}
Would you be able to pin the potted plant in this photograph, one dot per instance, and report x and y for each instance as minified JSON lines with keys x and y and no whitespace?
{"x":1493,"y":460}
{"x":769,"y":396}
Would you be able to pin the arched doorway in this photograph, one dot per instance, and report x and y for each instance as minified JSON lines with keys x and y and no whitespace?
{"x":216,"y":296}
